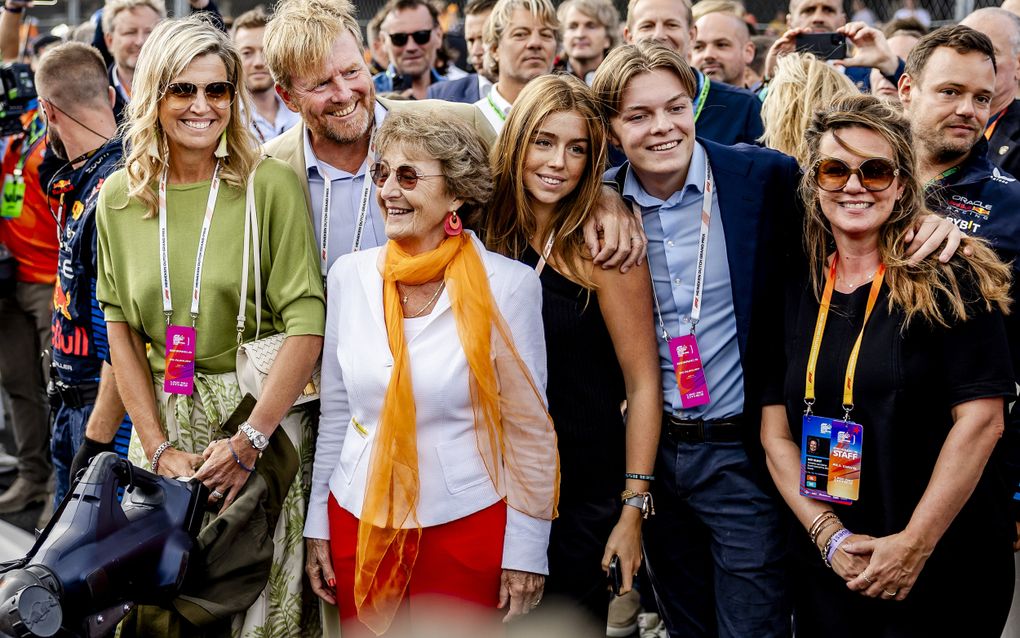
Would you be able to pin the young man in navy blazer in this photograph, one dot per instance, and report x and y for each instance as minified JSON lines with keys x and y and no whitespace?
{"x":716,"y":543}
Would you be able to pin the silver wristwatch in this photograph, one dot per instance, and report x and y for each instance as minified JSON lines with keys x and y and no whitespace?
{"x":258,"y":440}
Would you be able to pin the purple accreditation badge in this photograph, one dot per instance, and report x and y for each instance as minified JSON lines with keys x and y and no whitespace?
{"x":690,"y":373}
{"x":179,"y":377}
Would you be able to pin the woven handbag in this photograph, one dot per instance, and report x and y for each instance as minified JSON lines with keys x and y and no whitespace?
{"x":255,"y":358}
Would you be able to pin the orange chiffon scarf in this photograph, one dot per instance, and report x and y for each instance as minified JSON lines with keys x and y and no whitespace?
{"x":514,"y":431}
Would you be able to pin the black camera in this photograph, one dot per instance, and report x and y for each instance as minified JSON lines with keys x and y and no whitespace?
{"x":18,"y":91}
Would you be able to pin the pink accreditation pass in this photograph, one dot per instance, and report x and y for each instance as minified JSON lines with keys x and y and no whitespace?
{"x":179,"y":377}
{"x":690,"y":373}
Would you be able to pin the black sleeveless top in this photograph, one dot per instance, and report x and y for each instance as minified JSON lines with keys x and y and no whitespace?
{"x":585,"y":388}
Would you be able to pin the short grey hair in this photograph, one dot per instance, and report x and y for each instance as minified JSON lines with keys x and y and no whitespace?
{"x":454,"y":144}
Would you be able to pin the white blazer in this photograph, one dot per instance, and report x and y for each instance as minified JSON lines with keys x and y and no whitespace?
{"x":356,"y":367}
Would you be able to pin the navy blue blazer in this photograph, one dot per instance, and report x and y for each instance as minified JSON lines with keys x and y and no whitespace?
{"x":730,"y":116}
{"x":464,"y":90}
{"x":762,"y":222}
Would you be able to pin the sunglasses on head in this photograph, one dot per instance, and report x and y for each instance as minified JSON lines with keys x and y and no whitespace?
{"x":419,"y":37}
{"x":407,"y":176}
{"x":875,"y":174}
{"x":181,"y":94}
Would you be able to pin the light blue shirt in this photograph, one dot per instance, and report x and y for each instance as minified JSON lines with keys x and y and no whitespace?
{"x":673,"y":227}
{"x":343,"y":205}
{"x":265,"y":130}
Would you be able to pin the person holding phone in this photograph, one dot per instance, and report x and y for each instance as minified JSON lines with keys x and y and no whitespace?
{"x":817,"y":17}
{"x":595,"y":320}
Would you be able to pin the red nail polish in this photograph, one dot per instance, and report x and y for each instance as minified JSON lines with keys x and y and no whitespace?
{"x":332,"y":582}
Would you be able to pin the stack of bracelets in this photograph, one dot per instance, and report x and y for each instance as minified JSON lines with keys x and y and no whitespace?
{"x":822,"y":522}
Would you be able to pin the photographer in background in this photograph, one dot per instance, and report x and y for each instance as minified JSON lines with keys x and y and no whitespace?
{"x":28,"y":230}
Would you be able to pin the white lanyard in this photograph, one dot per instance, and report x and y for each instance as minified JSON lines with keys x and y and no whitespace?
{"x":699,"y":273}
{"x":164,"y":265}
{"x":544,"y":256}
{"x":327,"y":192}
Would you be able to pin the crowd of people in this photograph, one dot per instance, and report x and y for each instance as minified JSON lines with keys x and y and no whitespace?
{"x":638,"y":304}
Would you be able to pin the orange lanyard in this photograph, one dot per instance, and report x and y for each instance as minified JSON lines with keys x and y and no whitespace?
{"x":993,"y":124}
{"x":816,"y":340}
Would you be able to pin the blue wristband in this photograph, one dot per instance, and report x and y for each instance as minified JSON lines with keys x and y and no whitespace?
{"x":238,"y":459}
{"x":834,"y":543}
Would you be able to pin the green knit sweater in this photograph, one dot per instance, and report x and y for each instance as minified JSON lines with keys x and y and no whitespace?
{"x":129,"y":281}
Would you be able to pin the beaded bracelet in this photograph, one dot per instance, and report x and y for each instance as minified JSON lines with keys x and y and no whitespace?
{"x":639,"y":477}
{"x":237,"y":459}
{"x":163,"y":447}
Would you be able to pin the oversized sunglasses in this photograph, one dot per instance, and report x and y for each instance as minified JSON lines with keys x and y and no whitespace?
{"x":419,"y":37}
{"x":875,"y":174}
{"x":180,"y":95}
{"x":407,"y":176}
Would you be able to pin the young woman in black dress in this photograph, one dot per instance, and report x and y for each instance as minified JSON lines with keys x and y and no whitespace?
{"x":914,"y":359}
{"x":547,"y":169}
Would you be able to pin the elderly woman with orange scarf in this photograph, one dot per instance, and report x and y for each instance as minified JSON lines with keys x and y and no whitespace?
{"x":436,"y":473}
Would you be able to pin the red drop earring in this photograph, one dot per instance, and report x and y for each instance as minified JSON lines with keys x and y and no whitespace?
{"x":453,"y":225}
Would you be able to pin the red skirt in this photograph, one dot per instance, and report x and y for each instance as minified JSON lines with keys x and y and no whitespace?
{"x":459,"y":565}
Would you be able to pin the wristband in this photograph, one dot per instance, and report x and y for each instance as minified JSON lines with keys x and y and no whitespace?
{"x":237,"y":459}
{"x":14,"y":9}
{"x":639,"y":477}
{"x":833,"y":544}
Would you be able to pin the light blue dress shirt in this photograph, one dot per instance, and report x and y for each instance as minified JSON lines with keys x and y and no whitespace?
{"x":265,"y":130}
{"x":346,"y":196}
{"x":673,"y":227}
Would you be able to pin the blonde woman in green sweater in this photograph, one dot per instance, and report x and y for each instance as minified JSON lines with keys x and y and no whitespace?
{"x":170,"y":261}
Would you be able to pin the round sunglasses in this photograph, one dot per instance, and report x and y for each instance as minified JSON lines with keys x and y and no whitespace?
{"x":181,"y":95}
{"x":407,"y":176}
{"x":875,"y":174}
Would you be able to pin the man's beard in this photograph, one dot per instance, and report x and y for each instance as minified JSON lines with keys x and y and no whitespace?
{"x":55,"y":144}
{"x":352,"y":132}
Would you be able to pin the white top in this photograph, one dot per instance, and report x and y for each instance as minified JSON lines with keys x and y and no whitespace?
{"x":495,"y":108}
{"x":356,"y":367}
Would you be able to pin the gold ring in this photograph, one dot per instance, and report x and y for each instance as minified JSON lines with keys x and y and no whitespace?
{"x":865,"y":577}
{"x":891,"y":594}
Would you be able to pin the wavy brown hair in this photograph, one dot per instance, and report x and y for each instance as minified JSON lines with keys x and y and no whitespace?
{"x":509,"y":224}
{"x":929,"y":289}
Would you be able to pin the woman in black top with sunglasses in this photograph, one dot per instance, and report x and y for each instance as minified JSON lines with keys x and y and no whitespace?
{"x":879,"y":436}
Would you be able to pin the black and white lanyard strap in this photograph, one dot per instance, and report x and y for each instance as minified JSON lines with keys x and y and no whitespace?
{"x":359,"y":228}
{"x":164,"y":264}
{"x":699,"y":273}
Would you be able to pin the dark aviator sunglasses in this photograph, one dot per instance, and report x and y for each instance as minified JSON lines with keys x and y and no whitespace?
{"x":419,"y":37}
{"x":875,"y":174}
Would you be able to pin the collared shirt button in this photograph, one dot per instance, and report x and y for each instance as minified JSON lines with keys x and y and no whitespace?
{"x":676,"y":282}
{"x":669,"y":243}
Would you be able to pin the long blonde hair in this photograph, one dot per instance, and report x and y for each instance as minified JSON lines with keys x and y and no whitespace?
{"x":929,"y":288}
{"x":801,"y":85}
{"x":173,"y":45}
{"x":509,"y":224}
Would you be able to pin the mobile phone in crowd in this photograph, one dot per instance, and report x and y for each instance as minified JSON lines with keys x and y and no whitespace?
{"x":826,"y":46}
{"x":615,"y":575}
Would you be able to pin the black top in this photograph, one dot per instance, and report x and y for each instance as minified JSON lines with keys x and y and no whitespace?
{"x":585,"y":387}
{"x":906,"y":385}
